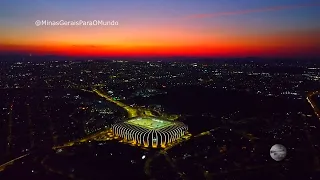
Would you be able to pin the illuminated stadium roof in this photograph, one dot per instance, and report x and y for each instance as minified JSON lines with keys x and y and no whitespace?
{"x":150,"y":131}
{"x":149,"y":123}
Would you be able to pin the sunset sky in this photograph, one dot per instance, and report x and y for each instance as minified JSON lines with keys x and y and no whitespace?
{"x":206,"y":28}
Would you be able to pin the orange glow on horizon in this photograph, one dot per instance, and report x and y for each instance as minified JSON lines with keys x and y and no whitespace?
{"x":127,"y":51}
{"x":218,"y":44}
{"x":144,"y":40}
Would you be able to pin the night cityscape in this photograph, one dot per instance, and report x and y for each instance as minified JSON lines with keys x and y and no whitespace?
{"x":160,"y":90}
{"x":57,"y":118}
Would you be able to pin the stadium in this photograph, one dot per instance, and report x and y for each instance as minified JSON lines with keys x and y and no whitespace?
{"x":149,"y":131}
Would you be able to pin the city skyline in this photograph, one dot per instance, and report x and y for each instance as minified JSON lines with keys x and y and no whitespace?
{"x":164,"y":28}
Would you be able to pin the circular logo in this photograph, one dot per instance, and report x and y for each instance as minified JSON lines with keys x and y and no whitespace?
{"x":37,"y":23}
{"x":278,"y":152}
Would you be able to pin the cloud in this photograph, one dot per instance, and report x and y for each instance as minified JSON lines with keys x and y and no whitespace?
{"x":248,"y":11}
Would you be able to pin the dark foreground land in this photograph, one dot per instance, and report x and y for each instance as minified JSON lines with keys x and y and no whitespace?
{"x":232,"y":135}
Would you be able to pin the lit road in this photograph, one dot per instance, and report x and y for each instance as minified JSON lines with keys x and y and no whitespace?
{"x":132,"y":112}
{"x":313,"y":104}
{"x":317,"y":112}
{"x":148,"y":113}
{"x":85,"y":139}
{"x":3,"y":166}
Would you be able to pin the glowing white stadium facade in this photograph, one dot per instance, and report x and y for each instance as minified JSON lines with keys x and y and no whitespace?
{"x":150,"y":131}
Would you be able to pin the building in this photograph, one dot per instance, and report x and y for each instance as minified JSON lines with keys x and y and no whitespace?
{"x":150,"y":131}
